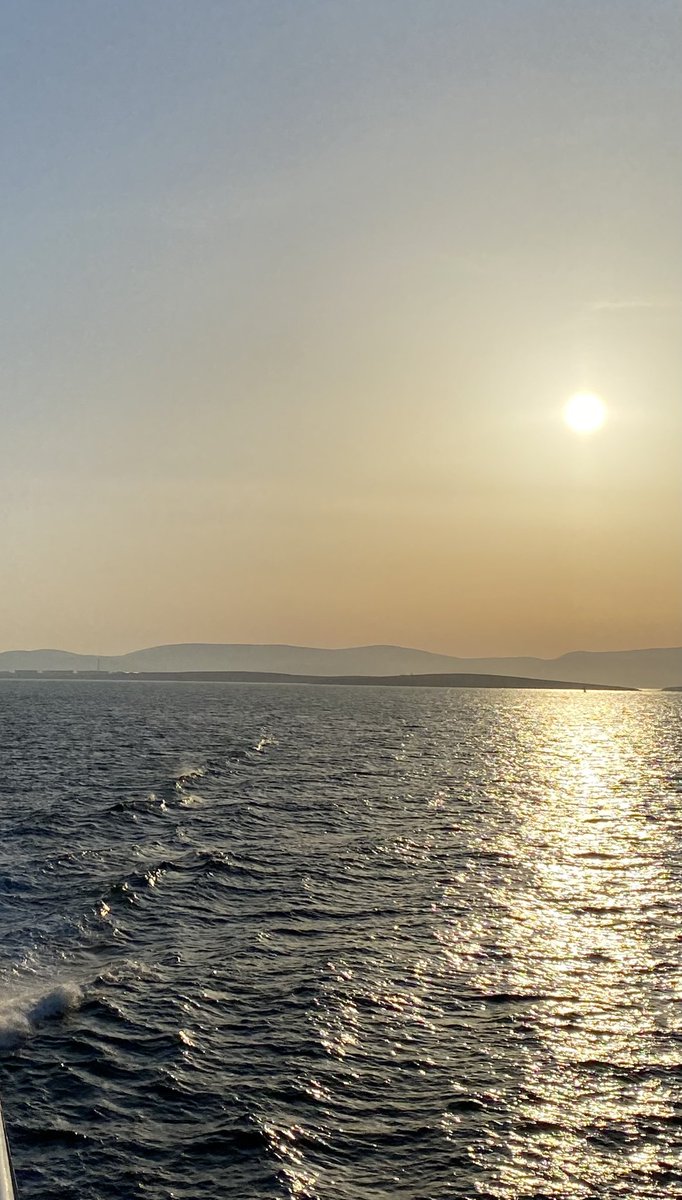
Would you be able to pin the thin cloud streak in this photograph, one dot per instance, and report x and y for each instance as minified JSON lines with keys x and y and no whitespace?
{"x":635,"y":305}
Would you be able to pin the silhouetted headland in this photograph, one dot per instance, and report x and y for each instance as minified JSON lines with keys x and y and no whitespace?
{"x":454,"y":680}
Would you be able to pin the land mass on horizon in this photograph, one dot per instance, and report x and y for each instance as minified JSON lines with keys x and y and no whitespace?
{"x":649,"y":668}
{"x":440,"y":680}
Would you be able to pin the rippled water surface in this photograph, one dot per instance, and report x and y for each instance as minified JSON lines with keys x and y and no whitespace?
{"x":340,"y":943}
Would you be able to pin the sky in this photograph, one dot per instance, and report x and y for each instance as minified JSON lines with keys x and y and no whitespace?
{"x":293,"y":294}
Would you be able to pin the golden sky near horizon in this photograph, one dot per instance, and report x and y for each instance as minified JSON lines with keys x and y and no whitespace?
{"x":294,"y":299}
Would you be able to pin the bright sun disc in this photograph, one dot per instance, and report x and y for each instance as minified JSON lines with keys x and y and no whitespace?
{"x":585,"y":413}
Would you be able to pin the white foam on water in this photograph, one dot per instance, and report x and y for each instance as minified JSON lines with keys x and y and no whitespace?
{"x":129,"y":970}
{"x":265,"y":740}
{"x":187,"y":774}
{"x":22,"y":1011}
{"x":191,"y":798}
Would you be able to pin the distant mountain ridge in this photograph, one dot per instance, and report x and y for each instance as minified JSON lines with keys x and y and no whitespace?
{"x":654,"y":668}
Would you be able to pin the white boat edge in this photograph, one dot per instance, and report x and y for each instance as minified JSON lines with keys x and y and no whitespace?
{"x":7,"y":1189}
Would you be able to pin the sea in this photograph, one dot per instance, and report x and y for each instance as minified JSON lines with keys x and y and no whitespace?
{"x":346,"y":943}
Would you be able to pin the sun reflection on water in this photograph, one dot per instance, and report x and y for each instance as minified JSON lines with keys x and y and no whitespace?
{"x":497,"y":1013}
{"x":573,"y":943}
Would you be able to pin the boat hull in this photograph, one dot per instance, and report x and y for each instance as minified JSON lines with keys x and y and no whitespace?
{"x":7,"y":1186}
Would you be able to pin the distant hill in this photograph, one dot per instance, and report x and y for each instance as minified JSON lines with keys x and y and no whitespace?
{"x":656,"y":668}
{"x":48,"y":660}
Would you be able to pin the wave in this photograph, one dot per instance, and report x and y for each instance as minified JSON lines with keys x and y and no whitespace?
{"x":179,"y":787}
{"x":127,"y":887}
{"x":265,"y":740}
{"x":150,"y":803}
{"x":186,"y":777}
{"x":20,"y":1015}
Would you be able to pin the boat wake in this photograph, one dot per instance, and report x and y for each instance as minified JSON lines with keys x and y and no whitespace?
{"x":23,"y":1012}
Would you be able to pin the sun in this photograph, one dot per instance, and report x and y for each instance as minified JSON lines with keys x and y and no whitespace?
{"x":585,"y":413}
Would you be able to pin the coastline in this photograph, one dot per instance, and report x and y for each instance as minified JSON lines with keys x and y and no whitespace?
{"x":443,"y":680}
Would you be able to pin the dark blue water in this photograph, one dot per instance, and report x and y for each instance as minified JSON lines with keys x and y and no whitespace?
{"x":340,"y":943}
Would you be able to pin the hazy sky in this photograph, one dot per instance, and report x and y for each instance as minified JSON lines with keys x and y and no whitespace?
{"x":293,"y":292}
